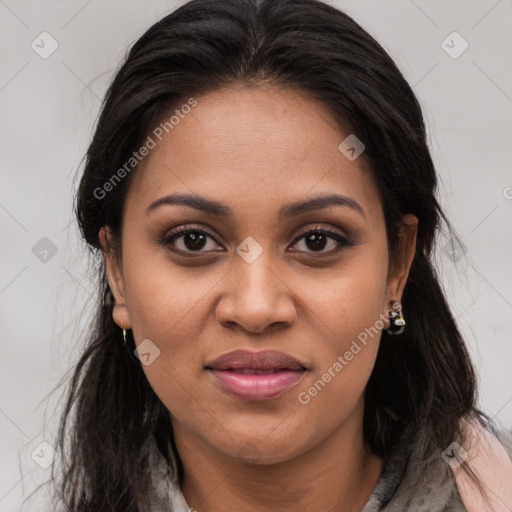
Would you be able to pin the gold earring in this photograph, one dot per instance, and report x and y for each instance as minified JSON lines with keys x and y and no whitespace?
{"x":124,"y":330}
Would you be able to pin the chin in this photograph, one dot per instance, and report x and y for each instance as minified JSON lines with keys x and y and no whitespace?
{"x":263,"y":452}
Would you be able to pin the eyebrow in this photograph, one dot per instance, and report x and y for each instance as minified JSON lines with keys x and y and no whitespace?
{"x":285,"y":212}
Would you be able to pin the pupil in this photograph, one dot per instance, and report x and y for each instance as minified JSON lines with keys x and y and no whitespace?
{"x":194,"y":240}
{"x":318,"y":241}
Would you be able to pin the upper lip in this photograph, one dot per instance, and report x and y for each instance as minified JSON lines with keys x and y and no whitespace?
{"x":263,"y":360}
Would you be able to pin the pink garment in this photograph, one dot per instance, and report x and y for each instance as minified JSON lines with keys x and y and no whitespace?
{"x":489,"y":460}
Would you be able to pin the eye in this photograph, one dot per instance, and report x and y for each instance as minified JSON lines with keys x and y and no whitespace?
{"x":189,"y":239}
{"x":317,"y":239}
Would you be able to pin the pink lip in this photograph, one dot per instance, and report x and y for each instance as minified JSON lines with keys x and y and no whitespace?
{"x":256,"y":387}
{"x":256,"y":375}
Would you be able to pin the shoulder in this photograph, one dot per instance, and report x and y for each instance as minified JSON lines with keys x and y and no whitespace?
{"x":489,"y":456}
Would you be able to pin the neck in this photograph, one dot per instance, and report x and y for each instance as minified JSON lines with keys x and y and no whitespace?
{"x":339,"y":473}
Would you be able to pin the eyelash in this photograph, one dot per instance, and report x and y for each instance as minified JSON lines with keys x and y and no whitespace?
{"x":175,"y":233}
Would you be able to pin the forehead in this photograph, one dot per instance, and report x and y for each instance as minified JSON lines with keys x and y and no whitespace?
{"x":251,"y":147}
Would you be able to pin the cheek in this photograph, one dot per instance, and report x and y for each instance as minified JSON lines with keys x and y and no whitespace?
{"x":165,"y":307}
{"x":161,"y":296}
{"x":352,"y":300}
{"x":348,"y":313}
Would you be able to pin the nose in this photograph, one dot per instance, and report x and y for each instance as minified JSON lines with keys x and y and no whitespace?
{"x":255,"y":298}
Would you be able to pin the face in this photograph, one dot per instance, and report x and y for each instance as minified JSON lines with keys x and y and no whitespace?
{"x":258,"y":272}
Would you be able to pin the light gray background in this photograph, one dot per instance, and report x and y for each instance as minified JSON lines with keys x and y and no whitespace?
{"x":48,"y":109}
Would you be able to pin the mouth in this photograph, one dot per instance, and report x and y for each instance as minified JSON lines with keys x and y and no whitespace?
{"x":253,"y":376}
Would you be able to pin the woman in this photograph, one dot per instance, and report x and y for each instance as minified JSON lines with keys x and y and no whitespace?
{"x":272,"y":334}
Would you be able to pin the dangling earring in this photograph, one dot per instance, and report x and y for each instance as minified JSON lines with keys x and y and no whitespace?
{"x":124,"y":331}
{"x":396,"y":319}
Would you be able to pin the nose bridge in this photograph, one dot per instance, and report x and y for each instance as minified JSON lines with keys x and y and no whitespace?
{"x":255,"y":297}
{"x":253,"y":264}
{"x":255,"y":280}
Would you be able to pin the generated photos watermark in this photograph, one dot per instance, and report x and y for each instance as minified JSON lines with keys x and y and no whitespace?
{"x":305,"y":397}
{"x":149,"y":144}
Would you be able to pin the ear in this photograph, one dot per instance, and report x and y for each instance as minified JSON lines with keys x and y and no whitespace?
{"x":115,"y":277}
{"x":399,"y":268}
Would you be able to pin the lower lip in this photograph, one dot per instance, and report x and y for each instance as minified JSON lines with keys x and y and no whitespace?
{"x":256,"y":387}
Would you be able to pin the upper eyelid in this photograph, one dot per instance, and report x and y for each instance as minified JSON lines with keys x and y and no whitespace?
{"x":180,"y":230}
{"x":319,"y":227}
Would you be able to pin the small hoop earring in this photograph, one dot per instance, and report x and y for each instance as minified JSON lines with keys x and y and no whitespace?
{"x":124,"y":331}
{"x":396,"y":320}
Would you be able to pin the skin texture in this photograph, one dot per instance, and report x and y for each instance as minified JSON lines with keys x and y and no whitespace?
{"x":256,"y":149}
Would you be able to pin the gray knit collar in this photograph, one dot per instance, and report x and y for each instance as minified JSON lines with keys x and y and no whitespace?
{"x":409,"y":483}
